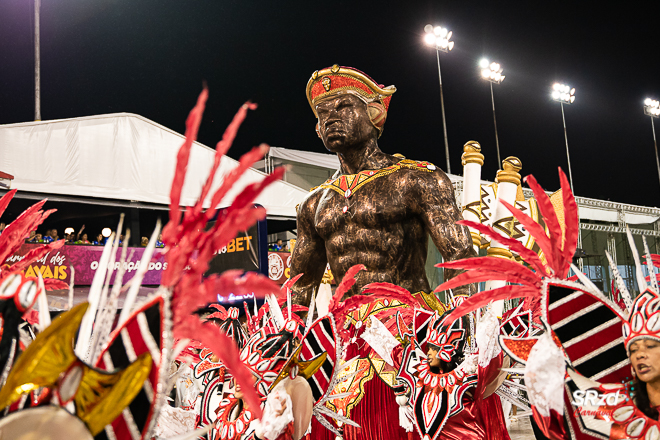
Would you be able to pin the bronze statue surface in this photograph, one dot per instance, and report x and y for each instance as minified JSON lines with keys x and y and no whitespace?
{"x":377,"y":210}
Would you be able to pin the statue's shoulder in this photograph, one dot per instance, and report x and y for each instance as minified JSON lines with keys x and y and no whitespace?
{"x":416,"y":165}
{"x":424,"y":176}
{"x":308,"y":204}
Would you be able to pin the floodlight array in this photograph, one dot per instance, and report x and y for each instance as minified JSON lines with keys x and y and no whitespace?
{"x":491,"y":71}
{"x":563,"y":93}
{"x":652,"y":107}
{"x":438,"y":37}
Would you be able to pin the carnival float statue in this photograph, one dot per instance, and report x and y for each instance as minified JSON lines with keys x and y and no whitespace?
{"x":377,"y":210}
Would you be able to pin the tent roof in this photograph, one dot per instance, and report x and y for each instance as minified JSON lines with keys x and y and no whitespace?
{"x":589,"y":209}
{"x":120,"y":156}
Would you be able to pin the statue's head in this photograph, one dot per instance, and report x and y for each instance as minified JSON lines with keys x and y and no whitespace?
{"x":351,"y":107}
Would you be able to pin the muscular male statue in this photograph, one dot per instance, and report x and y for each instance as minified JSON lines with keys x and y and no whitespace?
{"x":378,"y":208}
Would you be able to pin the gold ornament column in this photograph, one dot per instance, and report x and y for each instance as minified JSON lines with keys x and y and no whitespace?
{"x":508,"y":181}
{"x":472,"y":161}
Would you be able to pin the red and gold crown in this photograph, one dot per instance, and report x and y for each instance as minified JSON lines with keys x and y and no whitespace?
{"x":644,"y":321}
{"x":331,"y":81}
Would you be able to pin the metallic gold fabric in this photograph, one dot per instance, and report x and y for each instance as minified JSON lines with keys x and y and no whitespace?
{"x":102,"y":396}
{"x":46,"y":357}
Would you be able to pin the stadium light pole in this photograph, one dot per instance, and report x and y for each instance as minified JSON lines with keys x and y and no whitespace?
{"x":438,"y":38}
{"x":37,"y":62}
{"x":564,"y":94}
{"x":652,"y":109}
{"x":492,"y":72}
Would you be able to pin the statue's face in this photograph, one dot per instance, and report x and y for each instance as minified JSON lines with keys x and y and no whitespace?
{"x":344,"y":123}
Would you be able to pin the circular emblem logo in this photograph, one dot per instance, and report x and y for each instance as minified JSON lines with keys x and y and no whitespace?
{"x":275,"y":267}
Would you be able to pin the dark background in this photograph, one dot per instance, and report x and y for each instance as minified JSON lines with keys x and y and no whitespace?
{"x":151,"y":57}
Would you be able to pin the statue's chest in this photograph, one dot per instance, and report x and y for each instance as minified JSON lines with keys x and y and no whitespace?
{"x":380,"y":205}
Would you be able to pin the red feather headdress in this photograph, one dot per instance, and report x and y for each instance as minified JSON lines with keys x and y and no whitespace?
{"x":558,"y":248}
{"x":191,"y":245}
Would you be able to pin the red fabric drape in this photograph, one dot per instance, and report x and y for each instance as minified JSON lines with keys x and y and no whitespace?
{"x":377,"y":414}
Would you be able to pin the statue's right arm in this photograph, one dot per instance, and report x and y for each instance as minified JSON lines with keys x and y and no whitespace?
{"x":309,"y":257}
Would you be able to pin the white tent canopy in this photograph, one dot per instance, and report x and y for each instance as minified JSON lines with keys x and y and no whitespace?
{"x":322,"y":160}
{"x":120,"y":156}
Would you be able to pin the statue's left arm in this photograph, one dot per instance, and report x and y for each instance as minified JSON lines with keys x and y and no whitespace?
{"x":437,"y":206}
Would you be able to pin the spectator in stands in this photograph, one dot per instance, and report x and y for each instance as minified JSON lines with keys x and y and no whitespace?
{"x":144,"y":242}
{"x":68,"y":238}
{"x":159,"y":242}
{"x":100,"y":240}
{"x":83,"y":240}
{"x":279,"y":246}
{"x":80,"y":232}
{"x":53,"y":235}
{"x":48,"y":237}
{"x":2,"y":227}
{"x":31,"y":239}
{"x":38,"y":238}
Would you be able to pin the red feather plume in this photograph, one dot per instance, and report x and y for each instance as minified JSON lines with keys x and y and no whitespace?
{"x":346,"y":283}
{"x":4,"y":201}
{"x":550,"y":218}
{"x":572,"y":222}
{"x":528,"y":283}
{"x":484,"y":298}
{"x":514,"y":245}
{"x":191,"y":245}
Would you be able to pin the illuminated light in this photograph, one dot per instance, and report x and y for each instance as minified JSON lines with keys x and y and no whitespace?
{"x":648,"y":101}
{"x":438,"y":41}
{"x":556,"y":86}
{"x":429,"y":39}
{"x":451,"y":45}
{"x":573,"y":91}
{"x":502,"y":78}
{"x":498,"y":77}
{"x":68,"y":231}
{"x":485,"y":73}
{"x":437,"y":30}
{"x":428,"y":28}
{"x":555,"y":95}
{"x":566,"y":89}
{"x":444,"y":43}
{"x":484,"y":65}
{"x":443,"y":33}
{"x":106,"y":232}
{"x":448,"y":37}
{"x":572,"y":99}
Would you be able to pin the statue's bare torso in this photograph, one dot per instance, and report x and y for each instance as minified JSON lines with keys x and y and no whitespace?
{"x":383,"y":225}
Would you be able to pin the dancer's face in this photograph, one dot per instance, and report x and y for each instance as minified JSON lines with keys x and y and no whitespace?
{"x":645,"y":359}
{"x":432,"y":356}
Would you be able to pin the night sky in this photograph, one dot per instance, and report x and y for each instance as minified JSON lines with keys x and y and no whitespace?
{"x":151,"y":57}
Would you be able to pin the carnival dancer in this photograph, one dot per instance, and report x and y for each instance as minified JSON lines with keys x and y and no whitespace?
{"x":452,"y":392}
{"x":209,"y":372}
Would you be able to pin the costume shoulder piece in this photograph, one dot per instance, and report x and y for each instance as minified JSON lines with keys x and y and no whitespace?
{"x":348,"y":184}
